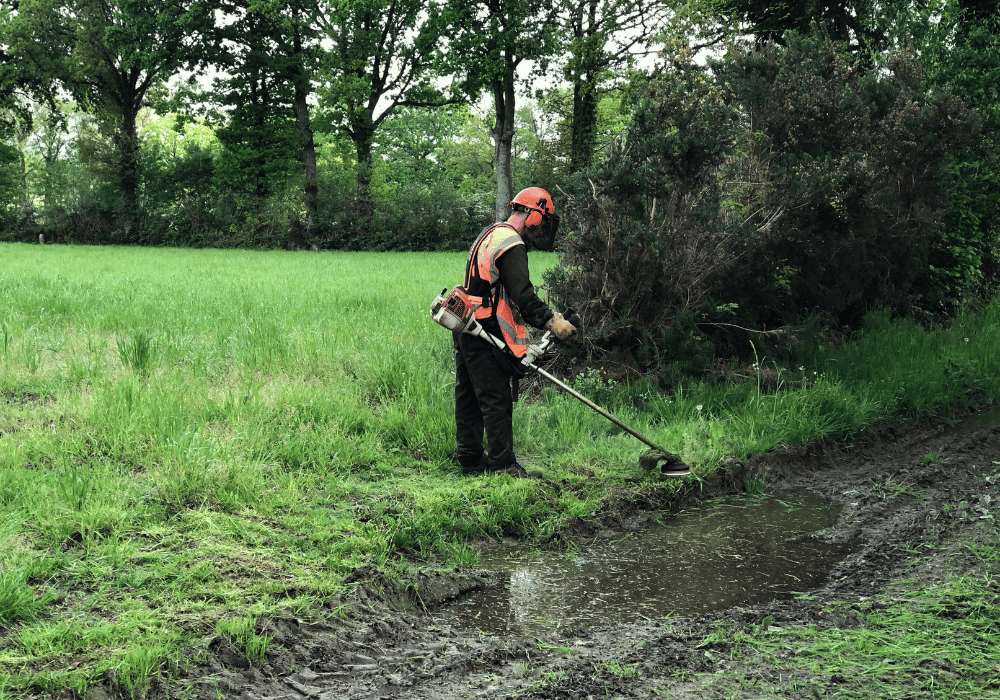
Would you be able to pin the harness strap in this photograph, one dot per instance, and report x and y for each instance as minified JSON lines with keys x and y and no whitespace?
{"x":474,"y":283}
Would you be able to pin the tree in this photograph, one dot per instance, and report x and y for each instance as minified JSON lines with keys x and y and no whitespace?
{"x":22,"y":79}
{"x":961,"y":53}
{"x":495,"y":38}
{"x":257,"y":100}
{"x":380,"y":58}
{"x":110,"y":55}
{"x":273,"y":44}
{"x":849,"y":21}
{"x":9,"y":186}
{"x":602,"y":37}
{"x":980,"y":10}
{"x":786,"y":182}
{"x":416,"y":142}
{"x":21,"y":82}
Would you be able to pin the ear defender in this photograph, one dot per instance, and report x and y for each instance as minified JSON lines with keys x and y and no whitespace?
{"x":537,"y":202}
{"x":534,"y":219}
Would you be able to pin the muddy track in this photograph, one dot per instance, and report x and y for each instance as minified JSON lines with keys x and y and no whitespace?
{"x":381,"y":645}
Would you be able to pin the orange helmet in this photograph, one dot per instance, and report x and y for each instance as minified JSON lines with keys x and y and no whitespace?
{"x":534,"y":199}
{"x":541,"y":221}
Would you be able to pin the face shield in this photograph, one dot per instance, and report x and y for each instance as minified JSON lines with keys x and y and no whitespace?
{"x":543,"y":236}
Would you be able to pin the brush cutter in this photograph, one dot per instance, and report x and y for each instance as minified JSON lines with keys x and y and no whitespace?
{"x":454,"y":311}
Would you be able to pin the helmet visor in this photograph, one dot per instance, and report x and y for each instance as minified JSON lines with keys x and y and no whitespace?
{"x":545,"y":235}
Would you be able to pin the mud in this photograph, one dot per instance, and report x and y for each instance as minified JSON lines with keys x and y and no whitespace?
{"x":381,"y":644}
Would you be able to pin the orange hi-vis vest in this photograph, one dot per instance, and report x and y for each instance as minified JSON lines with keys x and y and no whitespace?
{"x":482,"y":281}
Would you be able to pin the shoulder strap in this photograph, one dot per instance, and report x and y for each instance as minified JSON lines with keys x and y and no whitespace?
{"x":471,"y":265}
{"x":474,"y":283}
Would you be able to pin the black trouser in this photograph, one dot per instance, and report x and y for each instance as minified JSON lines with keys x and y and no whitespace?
{"x":482,"y":402}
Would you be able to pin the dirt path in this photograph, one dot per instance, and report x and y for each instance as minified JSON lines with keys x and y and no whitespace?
{"x":894,"y":495}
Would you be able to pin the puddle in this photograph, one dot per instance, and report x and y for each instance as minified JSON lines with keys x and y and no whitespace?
{"x":983,"y":419}
{"x":728,"y":552}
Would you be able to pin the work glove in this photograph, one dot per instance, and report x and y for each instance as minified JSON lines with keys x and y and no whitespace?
{"x":560,"y":327}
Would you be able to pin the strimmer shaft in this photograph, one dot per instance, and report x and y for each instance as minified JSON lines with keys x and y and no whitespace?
{"x":479,"y":331}
{"x":577,"y":395}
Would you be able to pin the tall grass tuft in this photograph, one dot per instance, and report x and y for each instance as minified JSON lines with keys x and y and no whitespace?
{"x":240,"y":631}
{"x":17,"y":599}
{"x":137,"y":352}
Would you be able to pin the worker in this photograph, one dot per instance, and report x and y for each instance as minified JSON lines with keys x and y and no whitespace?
{"x":496,"y":277}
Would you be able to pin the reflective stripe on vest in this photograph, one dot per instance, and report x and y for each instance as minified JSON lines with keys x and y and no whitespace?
{"x":495,"y":241}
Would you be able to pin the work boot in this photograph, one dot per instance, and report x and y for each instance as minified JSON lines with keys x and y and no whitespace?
{"x":480,"y":467}
{"x":517,"y":471}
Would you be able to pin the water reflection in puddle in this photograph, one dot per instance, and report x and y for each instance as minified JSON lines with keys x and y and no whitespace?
{"x":726,"y":553}
{"x":979,"y":421}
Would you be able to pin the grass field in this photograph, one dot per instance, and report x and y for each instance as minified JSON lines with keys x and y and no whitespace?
{"x":190,"y":439}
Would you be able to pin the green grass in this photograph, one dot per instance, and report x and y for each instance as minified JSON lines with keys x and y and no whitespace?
{"x":193,"y":435}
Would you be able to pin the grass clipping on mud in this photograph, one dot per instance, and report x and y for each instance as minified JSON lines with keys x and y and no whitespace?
{"x":194,"y":439}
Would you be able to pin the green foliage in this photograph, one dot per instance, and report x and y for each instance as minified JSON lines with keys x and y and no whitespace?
{"x":137,"y":352}
{"x":240,"y":631}
{"x":259,"y":151}
{"x":856,"y":23}
{"x":109,"y":56}
{"x":257,"y":125}
{"x":427,"y":216}
{"x":963,"y":54}
{"x":601,"y":37}
{"x":379,"y":57}
{"x":644,"y":237}
{"x":17,"y":599}
{"x":855,"y":164}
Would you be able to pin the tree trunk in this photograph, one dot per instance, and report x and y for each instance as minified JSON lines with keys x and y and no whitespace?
{"x":502,"y":134}
{"x":588,"y":57}
{"x":25,"y":193}
{"x":308,"y":155}
{"x":584,"y":135}
{"x":301,"y":82}
{"x":363,"y":134}
{"x":127,"y":142}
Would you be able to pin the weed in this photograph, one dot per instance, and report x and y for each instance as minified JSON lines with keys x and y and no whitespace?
{"x":754,"y":486}
{"x":519,"y":669}
{"x":891,"y":489}
{"x":137,"y":667}
{"x":187,"y":476}
{"x":73,"y":483}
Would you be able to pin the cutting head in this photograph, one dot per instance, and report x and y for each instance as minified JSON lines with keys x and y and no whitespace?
{"x":669,"y":463}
